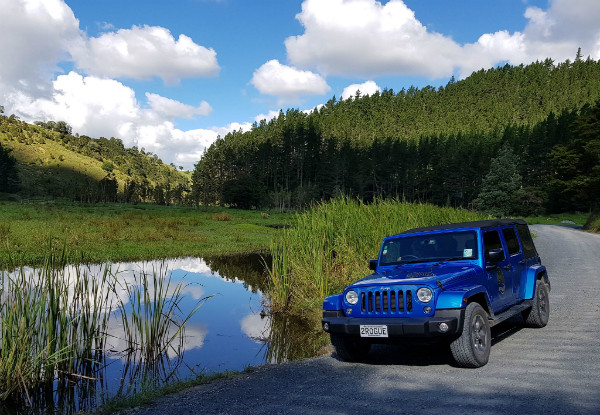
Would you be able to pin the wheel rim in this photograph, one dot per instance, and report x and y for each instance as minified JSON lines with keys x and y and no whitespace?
{"x":479,"y":334}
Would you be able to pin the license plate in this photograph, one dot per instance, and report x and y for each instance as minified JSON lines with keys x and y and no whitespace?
{"x":373,"y":331}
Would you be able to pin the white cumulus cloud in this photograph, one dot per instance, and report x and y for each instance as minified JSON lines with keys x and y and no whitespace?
{"x":36,"y":35}
{"x":287,"y":82}
{"x":368,"y":38}
{"x":366,"y":88}
{"x":145,"y":52}
{"x":175,"y":109}
{"x":267,"y":117}
{"x":104,"y":107}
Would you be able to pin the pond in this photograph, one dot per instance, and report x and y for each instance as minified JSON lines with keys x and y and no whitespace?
{"x":230,"y":331}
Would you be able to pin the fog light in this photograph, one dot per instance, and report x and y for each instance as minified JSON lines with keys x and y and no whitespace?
{"x":427,"y":310}
{"x":348,"y":311}
{"x":326,"y":326}
{"x":443,"y":327}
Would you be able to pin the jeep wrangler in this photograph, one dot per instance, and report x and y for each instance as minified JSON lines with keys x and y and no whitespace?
{"x":448,"y":283}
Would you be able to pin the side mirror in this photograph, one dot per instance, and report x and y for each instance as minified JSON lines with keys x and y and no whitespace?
{"x":372,"y":264}
{"x":494,"y":256}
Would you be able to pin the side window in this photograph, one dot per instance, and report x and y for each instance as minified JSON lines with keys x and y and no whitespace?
{"x":491,"y":240}
{"x":512,"y":243}
{"x":526,"y":241}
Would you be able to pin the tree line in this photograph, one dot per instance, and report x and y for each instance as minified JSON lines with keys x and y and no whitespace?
{"x":439,"y":146}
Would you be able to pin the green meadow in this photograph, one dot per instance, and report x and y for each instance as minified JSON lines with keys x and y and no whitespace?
{"x":96,"y":233}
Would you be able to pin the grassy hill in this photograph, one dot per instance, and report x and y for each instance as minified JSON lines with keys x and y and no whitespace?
{"x":58,"y":165}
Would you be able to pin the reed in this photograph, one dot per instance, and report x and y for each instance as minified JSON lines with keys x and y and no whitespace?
{"x":55,"y":322}
{"x":151,"y":317}
{"x":329,"y":245}
{"x":52,"y":324}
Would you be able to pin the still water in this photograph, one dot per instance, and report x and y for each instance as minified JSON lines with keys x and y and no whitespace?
{"x":230,"y":331}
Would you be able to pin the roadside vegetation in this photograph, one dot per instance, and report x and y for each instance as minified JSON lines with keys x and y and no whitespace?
{"x":329,"y":246}
{"x":578,"y":219}
{"x":593,"y":223}
{"x":95,"y":233}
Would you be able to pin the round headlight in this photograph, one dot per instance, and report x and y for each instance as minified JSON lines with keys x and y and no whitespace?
{"x":352,"y":297}
{"x":424,"y":295}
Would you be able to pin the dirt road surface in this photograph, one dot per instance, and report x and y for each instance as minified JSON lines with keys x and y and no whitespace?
{"x":554,"y":370}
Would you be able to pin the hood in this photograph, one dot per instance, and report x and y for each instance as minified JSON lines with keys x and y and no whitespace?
{"x":448,"y":273}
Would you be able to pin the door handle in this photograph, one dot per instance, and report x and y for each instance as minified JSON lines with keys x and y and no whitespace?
{"x":507,"y":267}
{"x":522,"y":262}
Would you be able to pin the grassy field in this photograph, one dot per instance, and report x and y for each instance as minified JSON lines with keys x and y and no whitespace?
{"x":124,"y":232}
{"x":559,"y":219}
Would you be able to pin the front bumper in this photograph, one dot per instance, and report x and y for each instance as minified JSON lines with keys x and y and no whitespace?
{"x":398,"y":327}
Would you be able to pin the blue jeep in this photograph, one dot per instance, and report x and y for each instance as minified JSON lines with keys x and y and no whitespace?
{"x":443,"y":283}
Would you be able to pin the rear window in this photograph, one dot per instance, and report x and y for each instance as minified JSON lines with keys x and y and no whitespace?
{"x":526,"y":241}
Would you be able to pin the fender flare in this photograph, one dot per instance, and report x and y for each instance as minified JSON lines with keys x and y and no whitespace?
{"x":529,"y":280}
{"x":333,"y":303}
{"x":460,"y":298}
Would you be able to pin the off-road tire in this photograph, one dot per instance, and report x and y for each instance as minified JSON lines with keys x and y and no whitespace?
{"x":472,"y":348}
{"x":537,"y":316}
{"x":349,"y":349}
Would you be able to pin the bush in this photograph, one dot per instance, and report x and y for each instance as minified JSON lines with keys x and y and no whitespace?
{"x":222,"y":217}
{"x":593,"y":222}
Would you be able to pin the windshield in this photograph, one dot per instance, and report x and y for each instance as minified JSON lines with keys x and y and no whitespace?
{"x":446,"y":246}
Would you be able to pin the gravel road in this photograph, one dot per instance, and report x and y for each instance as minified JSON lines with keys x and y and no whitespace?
{"x":554,"y":370}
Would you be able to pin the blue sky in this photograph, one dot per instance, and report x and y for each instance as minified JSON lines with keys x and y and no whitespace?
{"x":172,"y":76}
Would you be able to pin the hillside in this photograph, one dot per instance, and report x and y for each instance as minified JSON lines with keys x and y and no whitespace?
{"x":486,"y":100}
{"x":430,"y":145}
{"x":53,"y":163}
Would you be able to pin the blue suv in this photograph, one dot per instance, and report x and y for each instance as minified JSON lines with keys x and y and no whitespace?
{"x":446,"y":283}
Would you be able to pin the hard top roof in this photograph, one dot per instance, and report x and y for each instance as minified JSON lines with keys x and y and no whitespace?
{"x":492,"y":223}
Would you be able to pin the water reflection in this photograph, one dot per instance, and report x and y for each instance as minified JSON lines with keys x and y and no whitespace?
{"x":231,"y":331}
{"x":291,"y":338}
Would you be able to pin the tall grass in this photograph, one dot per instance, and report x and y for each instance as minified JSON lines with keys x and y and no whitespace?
{"x":150,"y":315}
{"x":328,"y":247}
{"x":593,"y":222}
{"x":52,"y":325}
{"x":55,"y":322}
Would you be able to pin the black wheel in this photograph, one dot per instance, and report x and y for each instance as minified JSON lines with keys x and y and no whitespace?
{"x":539,"y":313}
{"x":472,"y":348}
{"x":349,"y":349}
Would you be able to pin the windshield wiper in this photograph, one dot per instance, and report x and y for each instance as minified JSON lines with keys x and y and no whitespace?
{"x":412,"y":261}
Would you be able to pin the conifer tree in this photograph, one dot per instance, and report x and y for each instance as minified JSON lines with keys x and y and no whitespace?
{"x":499,"y":188}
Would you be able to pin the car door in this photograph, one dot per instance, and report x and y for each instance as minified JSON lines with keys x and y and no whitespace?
{"x":516,"y":260}
{"x":499,"y":287}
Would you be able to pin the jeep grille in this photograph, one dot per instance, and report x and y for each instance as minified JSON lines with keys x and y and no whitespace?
{"x":392,"y":302}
